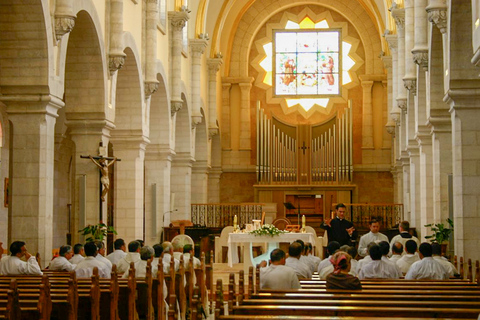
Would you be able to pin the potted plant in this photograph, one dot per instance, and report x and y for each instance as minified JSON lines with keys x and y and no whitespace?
{"x":441,"y":234}
{"x":96,"y":232}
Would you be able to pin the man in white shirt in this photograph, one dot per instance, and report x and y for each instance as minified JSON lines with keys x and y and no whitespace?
{"x":277,"y":275}
{"x":133,"y":255}
{"x":301,"y":269}
{"x":62,"y":263}
{"x":85,"y":267}
{"x":177,"y":248}
{"x":304,"y":258}
{"x":167,"y":257}
{"x":365,"y":260}
{"x":378,"y":268}
{"x":146,"y":253}
{"x":12,"y":265}
{"x":427,"y":268}
{"x":158,"y":253}
{"x":187,"y":254}
{"x":437,"y":256}
{"x":316,"y":260}
{"x":404,"y":236}
{"x":373,"y":236}
{"x":406,"y":261}
{"x":78,"y":254}
{"x":119,"y":252}
{"x":397,"y":251}
{"x":101,"y":255}
{"x":332,"y":247}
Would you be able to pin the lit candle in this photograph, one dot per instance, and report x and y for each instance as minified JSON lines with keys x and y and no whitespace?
{"x":235,"y":222}
{"x":303,"y":222}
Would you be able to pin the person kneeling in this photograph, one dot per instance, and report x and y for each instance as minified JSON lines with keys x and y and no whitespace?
{"x":340,"y":277}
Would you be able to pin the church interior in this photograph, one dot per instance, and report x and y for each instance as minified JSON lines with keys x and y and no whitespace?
{"x":139,"y":113}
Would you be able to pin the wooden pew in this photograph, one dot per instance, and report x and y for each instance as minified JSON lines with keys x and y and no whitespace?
{"x":9,"y":303}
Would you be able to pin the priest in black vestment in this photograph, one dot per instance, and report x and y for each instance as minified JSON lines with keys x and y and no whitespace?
{"x":339,"y":229}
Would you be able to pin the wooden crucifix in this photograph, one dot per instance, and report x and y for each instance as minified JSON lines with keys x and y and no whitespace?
{"x":304,"y":147}
{"x":103,"y":163}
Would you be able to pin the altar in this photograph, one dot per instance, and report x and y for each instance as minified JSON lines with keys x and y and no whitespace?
{"x":246,"y":239}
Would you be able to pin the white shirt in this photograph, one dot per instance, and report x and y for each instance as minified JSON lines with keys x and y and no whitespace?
{"x":141,"y":270}
{"x":61,"y":263}
{"x":167,"y":257}
{"x":316,"y":261}
{"x":398,"y":238}
{"x":368,"y":238}
{"x":302,"y":270}
{"x":12,"y":265}
{"x":186,"y":260}
{"x":361,"y":263}
{"x":124,"y":264}
{"x":327,"y":270}
{"x":278,"y":277}
{"x":379,"y":269}
{"x":353,"y":268}
{"x":76,"y":259}
{"x":107,"y":262}
{"x":395,"y":258}
{"x":447,"y":264}
{"x":427,"y":268}
{"x":308,"y":262}
{"x":324,"y":263}
{"x":406,"y":261}
{"x":85,"y":268}
{"x":116,"y":256}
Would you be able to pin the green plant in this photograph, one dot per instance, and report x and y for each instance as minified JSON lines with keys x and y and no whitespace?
{"x":440,"y":232}
{"x":267,"y":230}
{"x":97,"y":231}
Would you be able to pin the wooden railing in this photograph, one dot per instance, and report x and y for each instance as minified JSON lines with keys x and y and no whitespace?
{"x":221,"y":214}
{"x":388,"y":214}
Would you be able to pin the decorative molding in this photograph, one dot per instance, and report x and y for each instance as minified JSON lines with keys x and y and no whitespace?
{"x":214,"y":65}
{"x":198,"y":46}
{"x":178,"y":19}
{"x":411,"y":85}
{"x":391,"y":127}
{"x":116,"y":62}
{"x":196,"y":120}
{"x":63,"y":25}
{"x":153,"y":1}
{"x":175,"y":106}
{"x":395,"y":116}
{"x":420,"y":57}
{"x":437,"y":14}
{"x":150,"y":87}
{"x":402,"y":104}
{"x":392,"y":41}
{"x":398,"y":14}
{"x":212,"y":131}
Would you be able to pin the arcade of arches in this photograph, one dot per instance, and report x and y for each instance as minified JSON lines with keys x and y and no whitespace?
{"x":186,"y":97}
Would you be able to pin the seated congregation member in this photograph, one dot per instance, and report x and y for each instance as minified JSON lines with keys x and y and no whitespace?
{"x":167,"y":257}
{"x":352,"y":251}
{"x":365,"y":260}
{"x":330,"y":268}
{"x":397,"y":251}
{"x":341,"y":278}
{"x":427,"y":267}
{"x":409,"y":258}
{"x":133,"y":255}
{"x":158,"y":253}
{"x":404,"y":236}
{"x":332,"y":247}
{"x":316,"y":260}
{"x":187,"y":254}
{"x":85,"y":267}
{"x":373,"y":236}
{"x":62,"y":263}
{"x":13,"y":265}
{"x":146,"y":253}
{"x":301,"y":269}
{"x":304,"y":258}
{"x":437,"y":256}
{"x":277,"y":275}
{"x":101,"y":255}
{"x":177,"y":245}
{"x":378,"y":268}
{"x":78,"y":253}
{"x":119,"y":252}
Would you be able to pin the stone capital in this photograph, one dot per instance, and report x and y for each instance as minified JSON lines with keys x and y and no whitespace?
{"x":32,"y":104}
{"x":150,"y":87}
{"x":183,"y":159}
{"x":392,"y":41}
{"x":398,"y":14}
{"x":420,"y":57}
{"x":437,"y":14}
{"x":390,"y":126}
{"x":196,"y":120}
{"x":439,"y":124}
{"x":197,"y":46}
{"x":411,"y":85}
{"x":159,"y":152}
{"x":63,"y":25}
{"x":152,"y":1}
{"x":178,"y":19}
{"x":413,"y":150}
{"x":175,"y":106}
{"x":214,"y":65}
{"x":116,"y":61}
{"x":212,"y":131}
{"x":402,"y":103}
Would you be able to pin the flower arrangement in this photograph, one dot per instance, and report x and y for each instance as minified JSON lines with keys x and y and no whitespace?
{"x":97,"y":231}
{"x":267,"y":230}
{"x":440,"y":232}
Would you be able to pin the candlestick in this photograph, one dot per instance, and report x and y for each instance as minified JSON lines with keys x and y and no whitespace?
{"x":303,"y":222}
{"x":235,"y":222}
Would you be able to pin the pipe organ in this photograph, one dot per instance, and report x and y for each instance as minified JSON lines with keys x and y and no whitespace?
{"x":318,"y":154}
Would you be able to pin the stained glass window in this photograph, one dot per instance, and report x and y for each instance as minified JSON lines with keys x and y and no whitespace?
{"x":307,"y":63}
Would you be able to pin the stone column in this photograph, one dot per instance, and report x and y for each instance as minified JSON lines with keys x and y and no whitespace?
{"x":32,"y":170}
{"x":158,"y":162}
{"x":409,"y":80}
{"x":116,"y":54}
{"x":420,"y":50}
{"x":64,"y":18}
{"x":198,"y":48}
{"x":216,"y":170}
{"x":129,"y":184}
{"x":367,"y":121}
{"x":151,"y":82}
{"x":245,"y":120}
{"x":437,"y":14}
{"x":213,"y":67}
{"x":178,"y":19}
{"x":415,"y":209}
{"x":200,"y":172}
{"x":181,"y":183}
{"x":225,"y":137}
{"x":465,"y":113}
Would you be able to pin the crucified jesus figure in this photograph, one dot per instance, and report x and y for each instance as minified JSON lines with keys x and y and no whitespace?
{"x":103,"y":165}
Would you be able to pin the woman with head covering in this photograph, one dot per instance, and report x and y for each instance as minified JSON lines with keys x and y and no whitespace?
{"x":340,"y":277}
